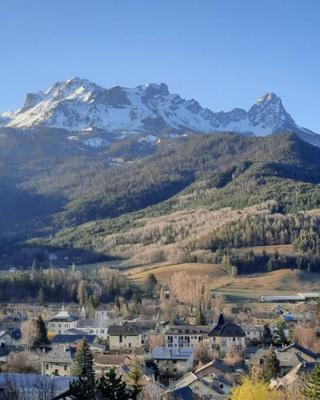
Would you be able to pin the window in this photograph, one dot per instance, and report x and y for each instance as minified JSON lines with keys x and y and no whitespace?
{"x":120,"y":338}
{"x":47,"y":366}
{"x":234,"y":339}
{"x":65,"y":367}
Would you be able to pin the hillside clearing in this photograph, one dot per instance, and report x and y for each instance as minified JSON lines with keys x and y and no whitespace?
{"x":276,"y":282}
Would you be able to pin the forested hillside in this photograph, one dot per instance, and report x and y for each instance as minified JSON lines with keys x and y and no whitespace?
{"x":68,"y":197}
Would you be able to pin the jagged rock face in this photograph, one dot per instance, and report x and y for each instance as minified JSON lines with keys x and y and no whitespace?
{"x":78,"y":104}
{"x":269,"y":112}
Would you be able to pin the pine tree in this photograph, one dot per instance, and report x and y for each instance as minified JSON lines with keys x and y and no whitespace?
{"x":311,"y":388}
{"x":112,"y":387}
{"x":279,"y":334}
{"x":84,"y":387}
{"x":41,"y":335}
{"x":135,"y":375}
{"x":271,"y":367}
{"x":81,"y":389}
{"x":200,"y":320}
{"x":267,"y":335}
{"x":150,"y":283}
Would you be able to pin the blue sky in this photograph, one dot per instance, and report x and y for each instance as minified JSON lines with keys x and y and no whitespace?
{"x":223,"y":53}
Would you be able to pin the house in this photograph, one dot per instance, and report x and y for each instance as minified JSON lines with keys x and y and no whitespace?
{"x":32,"y":386}
{"x":201,"y":388}
{"x":11,"y":322}
{"x":104,"y":362}
{"x":215,"y":369}
{"x":253,"y":333}
{"x":10,"y":338}
{"x":173,"y":361}
{"x":101,"y":312}
{"x":293,"y":319}
{"x":97,"y":327}
{"x":185,"y":335}
{"x":145,"y":327}
{"x":291,"y":382}
{"x":289,"y":357}
{"x":58,"y":361}
{"x":227,"y":337}
{"x":124,"y":336}
{"x":147,"y":373}
{"x":61,"y":322}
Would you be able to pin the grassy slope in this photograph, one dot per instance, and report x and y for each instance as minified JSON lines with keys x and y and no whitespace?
{"x":276,"y":282}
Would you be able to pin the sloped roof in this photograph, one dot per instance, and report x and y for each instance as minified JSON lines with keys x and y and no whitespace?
{"x":226,"y":329}
{"x":299,"y":351}
{"x":60,"y":354}
{"x":109,"y":359}
{"x":73,"y":338}
{"x":215,"y":364}
{"x":63,"y":316}
{"x":127,"y":329}
{"x":292,"y":377}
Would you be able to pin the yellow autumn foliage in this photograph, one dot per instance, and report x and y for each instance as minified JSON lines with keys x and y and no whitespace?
{"x":251,"y":389}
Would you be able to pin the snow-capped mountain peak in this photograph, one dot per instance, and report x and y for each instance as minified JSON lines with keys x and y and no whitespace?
{"x":77,"y":104}
{"x":269,"y":113}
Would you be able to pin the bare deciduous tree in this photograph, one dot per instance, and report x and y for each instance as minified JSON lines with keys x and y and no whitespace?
{"x":28,"y":329}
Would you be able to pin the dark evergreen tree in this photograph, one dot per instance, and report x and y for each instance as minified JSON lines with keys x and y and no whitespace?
{"x":200,"y":319}
{"x":270,"y":368}
{"x":111,"y":387}
{"x":266,"y":335}
{"x":150,"y":283}
{"x":311,"y":387}
{"x":84,"y":387}
{"x":41,"y":335}
{"x":135,"y":375}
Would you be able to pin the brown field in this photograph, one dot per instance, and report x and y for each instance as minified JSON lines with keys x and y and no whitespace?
{"x":164,"y":273}
{"x":283,"y":281}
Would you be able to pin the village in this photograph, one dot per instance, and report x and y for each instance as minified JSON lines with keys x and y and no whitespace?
{"x":165,"y":345}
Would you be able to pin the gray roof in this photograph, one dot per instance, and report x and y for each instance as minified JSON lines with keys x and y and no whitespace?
{"x":217,"y":364}
{"x":96,"y":323}
{"x":127,"y":329}
{"x":61,"y":354}
{"x":73,"y":338}
{"x":187,"y":330}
